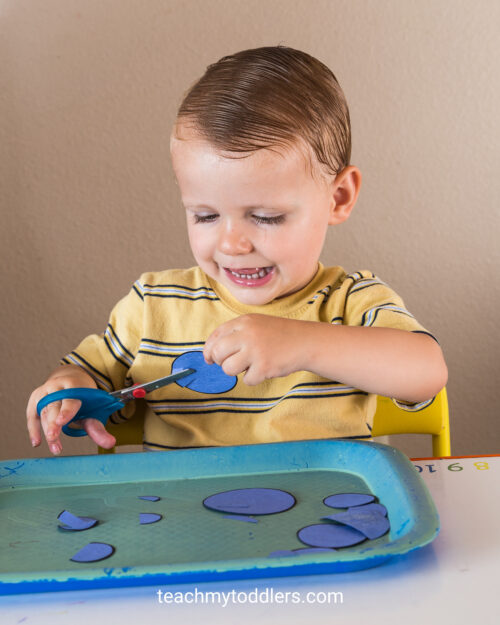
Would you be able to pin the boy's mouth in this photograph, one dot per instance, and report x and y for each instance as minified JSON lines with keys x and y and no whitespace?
{"x":250,"y":276}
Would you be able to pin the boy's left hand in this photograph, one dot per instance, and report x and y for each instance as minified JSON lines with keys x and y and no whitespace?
{"x":263,"y":346}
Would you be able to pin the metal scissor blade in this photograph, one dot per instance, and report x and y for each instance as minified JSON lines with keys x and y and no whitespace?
{"x":125,"y":394}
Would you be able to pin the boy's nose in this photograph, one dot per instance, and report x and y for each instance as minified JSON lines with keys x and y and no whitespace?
{"x":233,"y":240}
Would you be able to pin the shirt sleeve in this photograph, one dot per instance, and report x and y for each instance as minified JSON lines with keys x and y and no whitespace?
{"x":371,"y":302}
{"x":108,"y":357}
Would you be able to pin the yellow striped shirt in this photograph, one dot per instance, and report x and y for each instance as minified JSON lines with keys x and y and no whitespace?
{"x":168,"y":313}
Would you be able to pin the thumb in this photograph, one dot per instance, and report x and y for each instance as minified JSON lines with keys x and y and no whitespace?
{"x":98,"y":433}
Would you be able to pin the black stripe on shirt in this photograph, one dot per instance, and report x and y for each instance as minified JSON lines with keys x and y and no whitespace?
{"x":117,"y":358}
{"x":134,"y":288}
{"x":250,"y":411}
{"x":362,"y":288}
{"x":115,"y":335}
{"x":428,"y":334}
{"x":176,"y":344}
{"x":150,"y":444}
{"x":380,"y":308}
{"x":91,"y":367}
{"x":182,"y":401}
{"x":191,"y":299}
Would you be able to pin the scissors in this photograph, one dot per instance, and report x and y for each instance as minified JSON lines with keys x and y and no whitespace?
{"x":99,"y":404}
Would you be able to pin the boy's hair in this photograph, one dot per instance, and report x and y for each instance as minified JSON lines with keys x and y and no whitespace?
{"x":271,"y":97}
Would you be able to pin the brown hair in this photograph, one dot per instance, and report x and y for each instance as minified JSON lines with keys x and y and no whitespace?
{"x":269,"y":97}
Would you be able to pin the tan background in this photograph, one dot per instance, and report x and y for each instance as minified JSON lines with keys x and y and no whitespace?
{"x":88,"y":93}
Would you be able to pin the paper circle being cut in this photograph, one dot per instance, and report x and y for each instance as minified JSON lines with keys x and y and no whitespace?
{"x":93,"y":552}
{"x":251,"y":501}
{"x":72,"y":523}
{"x":207,"y":378}
{"x":146,"y":518}
{"x":347,"y":500}
{"x":329,"y":535}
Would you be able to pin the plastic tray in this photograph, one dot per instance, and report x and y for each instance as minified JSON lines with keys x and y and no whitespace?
{"x":192,"y":543}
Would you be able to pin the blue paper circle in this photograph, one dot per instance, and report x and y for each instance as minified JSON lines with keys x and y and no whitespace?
{"x":93,"y":552}
{"x":347,"y":500}
{"x":372,"y":507}
{"x":207,"y":378}
{"x":371,"y":523}
{"x":251,"y":501}
{"x":146,"y":518}
{"x":329,"y":535}
{"x":72,"y":523}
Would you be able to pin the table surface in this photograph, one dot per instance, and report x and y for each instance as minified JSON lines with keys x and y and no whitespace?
{"x":449,"y":581}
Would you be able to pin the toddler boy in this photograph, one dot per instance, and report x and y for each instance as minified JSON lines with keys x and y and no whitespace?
{"x":261,"y":153}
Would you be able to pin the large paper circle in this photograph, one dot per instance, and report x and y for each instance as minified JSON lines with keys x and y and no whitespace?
{"x":209,"y":379}
{"x":251,"y":501}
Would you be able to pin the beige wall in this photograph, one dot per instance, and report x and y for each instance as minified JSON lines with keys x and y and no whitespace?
{"x":89,"y":90}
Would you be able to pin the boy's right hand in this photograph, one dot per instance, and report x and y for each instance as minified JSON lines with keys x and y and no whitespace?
{"x":58,"y":413}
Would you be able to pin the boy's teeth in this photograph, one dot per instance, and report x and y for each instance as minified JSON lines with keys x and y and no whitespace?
{"x":260,"y":274}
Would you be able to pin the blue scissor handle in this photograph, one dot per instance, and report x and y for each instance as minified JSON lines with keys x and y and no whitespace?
{"x":96,"y":404}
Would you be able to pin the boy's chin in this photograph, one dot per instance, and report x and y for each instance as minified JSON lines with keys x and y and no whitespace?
{"x":250,"y":297}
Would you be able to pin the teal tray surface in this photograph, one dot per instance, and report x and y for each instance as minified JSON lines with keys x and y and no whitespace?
{"x":191,"y":542}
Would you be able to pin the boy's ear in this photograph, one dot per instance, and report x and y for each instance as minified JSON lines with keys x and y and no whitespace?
{"x":345,"y":189}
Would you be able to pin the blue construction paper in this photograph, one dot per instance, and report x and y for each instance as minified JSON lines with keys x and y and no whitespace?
{"x":70,"y":522}
{"x":146,"y":518}
{"x":207,"y":378}
{"x":372,"y":507}
{"x":371,"y":523}
{"x":93,"y":552}
{"x":251,"y":501}
{"x":329,"y":535}
{"x":149,"y":497}
{"x":347,"y":500}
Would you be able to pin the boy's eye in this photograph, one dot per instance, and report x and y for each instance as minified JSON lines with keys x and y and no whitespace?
{"x":277,"y":219}
{"x":200,"y":219}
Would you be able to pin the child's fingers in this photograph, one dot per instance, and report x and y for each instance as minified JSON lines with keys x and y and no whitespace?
{"x":235,"y":363}
{"x":32,"y":418}
{"x":225,"y":347}
{"x":69,"y":408}
{"x":215,"y":337}
{"x":49,"y":426}
{"x":98,"y":433}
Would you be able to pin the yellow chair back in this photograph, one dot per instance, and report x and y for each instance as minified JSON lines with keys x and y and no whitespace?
{"x":434,"y":419}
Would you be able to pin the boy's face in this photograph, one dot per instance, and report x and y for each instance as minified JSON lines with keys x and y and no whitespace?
{"x":256,"y":224}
